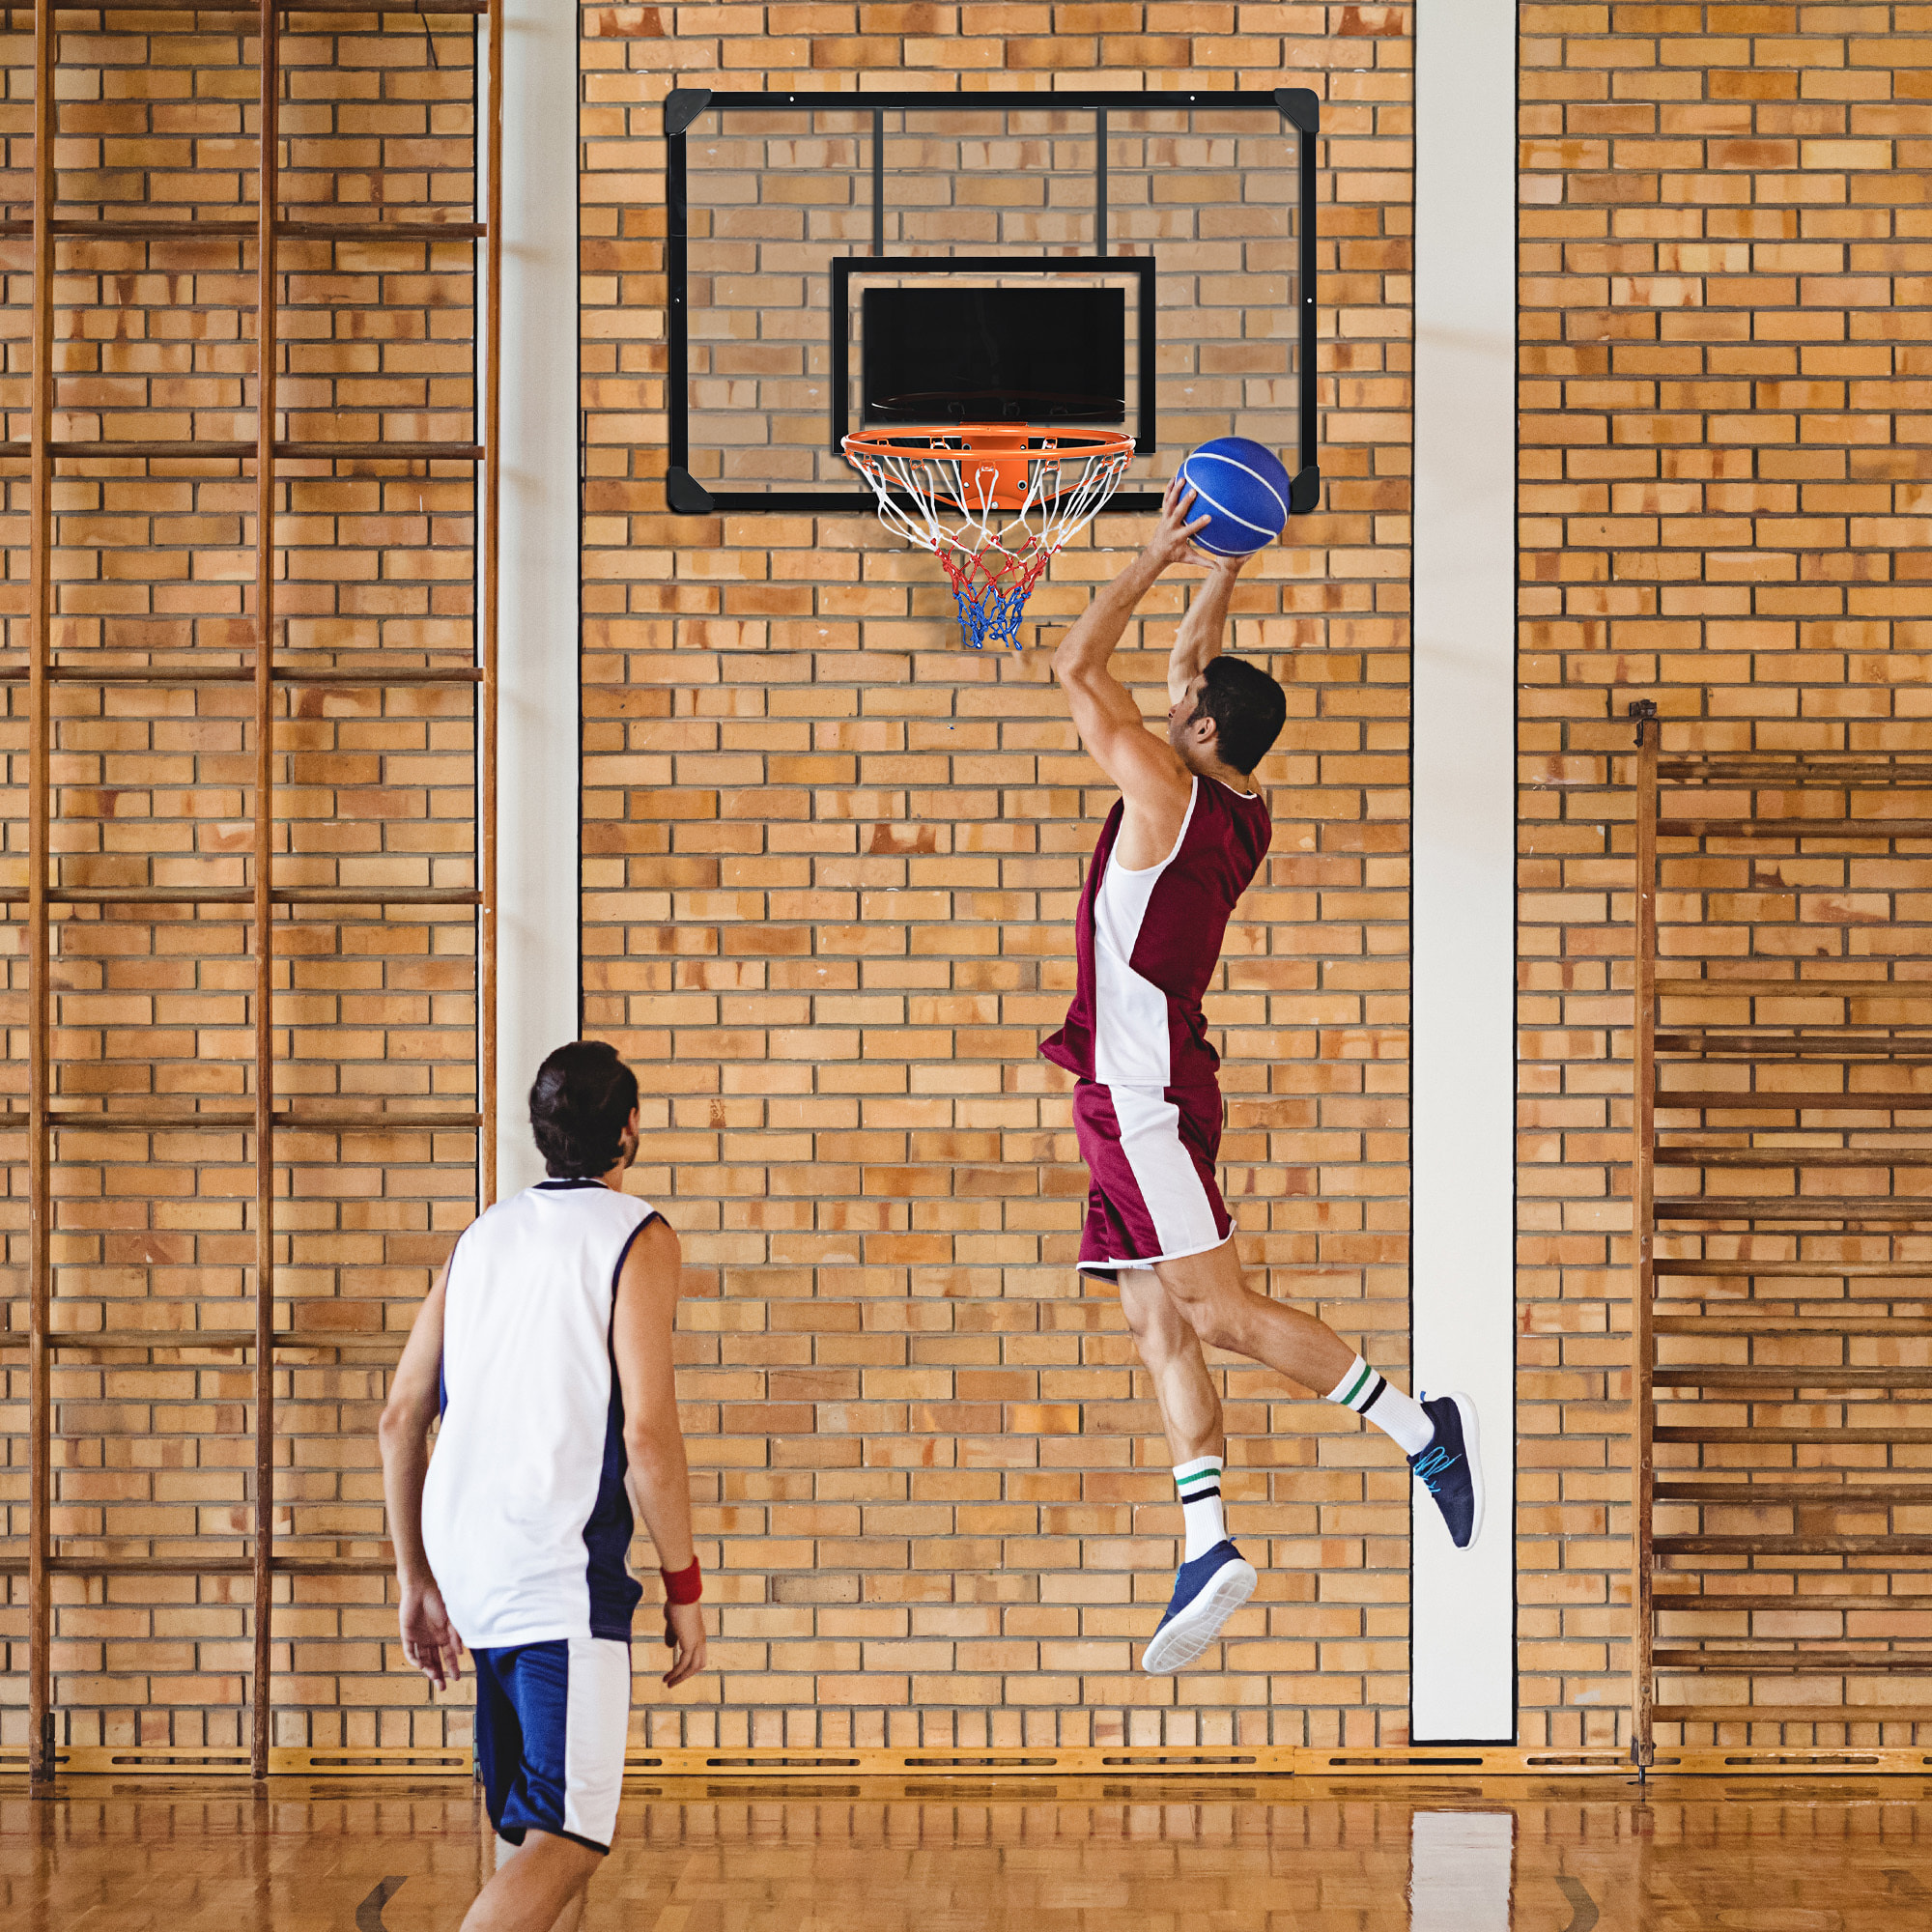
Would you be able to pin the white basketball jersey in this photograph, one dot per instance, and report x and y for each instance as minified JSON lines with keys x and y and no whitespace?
{"x":525,"y":1518}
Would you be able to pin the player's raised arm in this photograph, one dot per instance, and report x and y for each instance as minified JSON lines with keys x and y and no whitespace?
{"x":1149,"y":773}
{"x":1197,"y":643}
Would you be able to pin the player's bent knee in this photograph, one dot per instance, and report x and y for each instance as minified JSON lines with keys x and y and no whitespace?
{"x":1214,"y":1319}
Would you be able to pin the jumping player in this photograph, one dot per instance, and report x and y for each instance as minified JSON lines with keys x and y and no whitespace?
{"x":545,"y":1349}
{"x":1177,"y":850}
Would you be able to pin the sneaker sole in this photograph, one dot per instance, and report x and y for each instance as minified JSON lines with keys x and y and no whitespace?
{"x":1473,"y":1450}
{"x":1179,"y":1642}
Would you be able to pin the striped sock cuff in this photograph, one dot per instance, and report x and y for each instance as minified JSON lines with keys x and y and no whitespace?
{"x":1198,"y":1478}
{"x":1358,"y":1388}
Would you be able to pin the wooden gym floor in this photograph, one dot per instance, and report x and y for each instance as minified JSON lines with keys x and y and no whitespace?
{"x":1070,"y":1857}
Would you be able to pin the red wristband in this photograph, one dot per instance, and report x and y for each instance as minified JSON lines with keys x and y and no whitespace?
{"x":682,"y":1586}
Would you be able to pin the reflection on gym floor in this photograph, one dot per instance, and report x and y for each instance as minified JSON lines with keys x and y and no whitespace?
{"x":1006,"y":1856}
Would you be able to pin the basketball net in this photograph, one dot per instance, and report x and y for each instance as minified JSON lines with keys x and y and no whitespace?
{"x":993,"y":502}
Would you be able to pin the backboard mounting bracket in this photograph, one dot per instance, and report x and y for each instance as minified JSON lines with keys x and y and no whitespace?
{"x":1302,"y":106}
{"x":686,"y":495}
{"x":684,"y":104}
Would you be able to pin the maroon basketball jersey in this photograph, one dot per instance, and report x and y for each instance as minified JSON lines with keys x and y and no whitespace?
{"x":1148,"y":943}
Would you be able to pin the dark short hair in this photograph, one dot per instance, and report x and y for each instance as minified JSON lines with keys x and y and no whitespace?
{"x":1248,"y":708}
{"x":580,"y":1107}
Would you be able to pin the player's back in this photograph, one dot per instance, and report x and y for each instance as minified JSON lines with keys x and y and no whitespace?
{"x":525,"y":1518}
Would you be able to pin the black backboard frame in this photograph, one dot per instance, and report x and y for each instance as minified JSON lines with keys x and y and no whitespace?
{"x":1298,"y":106}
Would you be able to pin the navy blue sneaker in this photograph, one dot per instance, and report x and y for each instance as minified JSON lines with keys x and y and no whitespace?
{"x":1451,"y":1468}
{"x":1207,"y":1593}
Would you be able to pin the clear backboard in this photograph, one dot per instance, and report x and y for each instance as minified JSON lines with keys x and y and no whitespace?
{"x":1176,"y":232}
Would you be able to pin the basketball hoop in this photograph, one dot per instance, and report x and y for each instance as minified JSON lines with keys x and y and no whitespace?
{"x":993,"y":501}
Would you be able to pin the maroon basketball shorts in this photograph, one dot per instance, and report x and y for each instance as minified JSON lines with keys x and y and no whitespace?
{"x":1150,"y":1152}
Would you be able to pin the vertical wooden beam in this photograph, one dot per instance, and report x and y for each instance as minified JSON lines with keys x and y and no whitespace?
{"x":40,"y":806}
{"x":1643,"y":1219}
{"x":265,"y":354}
{"x":486,"y":694}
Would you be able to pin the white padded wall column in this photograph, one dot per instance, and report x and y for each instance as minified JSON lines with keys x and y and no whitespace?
{"x":1462,"y":1645}
{"x":538,"y":951}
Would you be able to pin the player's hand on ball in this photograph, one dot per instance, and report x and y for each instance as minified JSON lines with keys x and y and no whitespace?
{"x":430,"y":1640}
{"x":1215,"y":561}
{"x":684,"y":1638}
{"x":1174,"y":538}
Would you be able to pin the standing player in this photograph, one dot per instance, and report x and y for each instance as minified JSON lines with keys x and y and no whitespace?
{"x":1177,"y":851}
{"x":546,"y":1348}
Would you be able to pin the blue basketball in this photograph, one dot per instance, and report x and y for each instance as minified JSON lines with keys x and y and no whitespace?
{"x":1242,"y":490}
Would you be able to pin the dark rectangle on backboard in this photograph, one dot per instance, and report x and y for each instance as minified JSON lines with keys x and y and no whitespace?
{"x":846,"y":207}
{"x":1047,"y":355}
{"x":1139,"y":267}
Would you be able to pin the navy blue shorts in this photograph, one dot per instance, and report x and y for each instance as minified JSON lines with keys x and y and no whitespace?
{"x":551,"y":1721}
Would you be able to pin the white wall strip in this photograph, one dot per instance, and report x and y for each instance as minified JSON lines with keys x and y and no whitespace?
{"x":1462,"y":1645}
{"x":537,"y":734}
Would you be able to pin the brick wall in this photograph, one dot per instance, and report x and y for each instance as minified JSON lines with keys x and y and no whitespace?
{"x":1724,"y":360}
{"x":831,"y":862}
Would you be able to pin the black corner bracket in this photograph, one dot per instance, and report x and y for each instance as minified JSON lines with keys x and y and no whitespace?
{"x":684,"y":104}
{"x":1305,"y":493}
{"x":688,"y":496}
{"x":1299,"y":103}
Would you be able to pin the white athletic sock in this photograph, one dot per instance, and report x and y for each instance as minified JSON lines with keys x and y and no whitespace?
{"x":1200,"y":1485}
{"x":1384,"y":1404}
